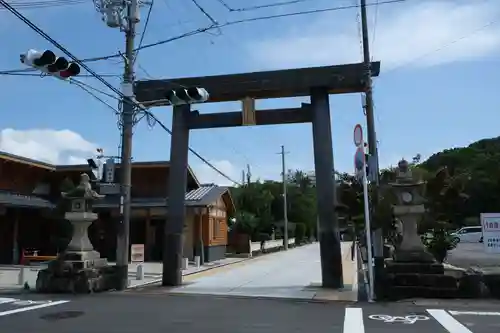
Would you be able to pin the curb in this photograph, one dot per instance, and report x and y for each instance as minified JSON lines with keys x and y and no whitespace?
{"x":268,"y":298}
{"x":189,"y":274}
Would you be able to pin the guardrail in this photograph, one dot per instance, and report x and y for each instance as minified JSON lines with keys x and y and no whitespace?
{"x":270,"y":245}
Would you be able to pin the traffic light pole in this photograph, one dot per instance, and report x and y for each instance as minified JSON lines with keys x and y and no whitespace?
{"x":372,"y":139}
{"x":123,"y":237}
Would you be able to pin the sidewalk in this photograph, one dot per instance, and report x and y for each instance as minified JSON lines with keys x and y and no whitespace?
{"x":292,"y":274}
{"x":9,"y":274}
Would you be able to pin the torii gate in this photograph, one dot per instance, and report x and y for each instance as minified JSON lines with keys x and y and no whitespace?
{"x":316,"y":82}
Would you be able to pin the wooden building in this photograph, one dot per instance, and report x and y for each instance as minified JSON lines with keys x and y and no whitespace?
{"x":30,"y":190}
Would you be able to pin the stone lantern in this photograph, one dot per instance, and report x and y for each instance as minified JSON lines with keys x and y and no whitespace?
{"x":79,"y":268}
{"x":409,"y":210}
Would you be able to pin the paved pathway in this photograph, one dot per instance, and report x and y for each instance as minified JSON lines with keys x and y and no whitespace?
{"x":131,"y":313}
{"x":9,"y":274}
{"x":295,"y":273}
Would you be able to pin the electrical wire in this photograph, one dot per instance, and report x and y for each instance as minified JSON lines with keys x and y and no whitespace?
{"x":69,"y":54}
{"x":39,"y":75}
{"x":274,"y":4}
{"x":231,"y":23}
{"x":88,"y":91}
{"x":194,"y":152}
{"x":150,"y":114}
{"x":88,"y":87}
{"x":260,"y":18}
{"x":442,"y":47}
{"x":144,"y":30}
{"x":375,"y":22}
{"x":204,"y":12}
{"x":59,"y":46}
{"x":44,"y":4}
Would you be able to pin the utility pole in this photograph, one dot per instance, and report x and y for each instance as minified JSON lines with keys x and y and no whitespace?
{"x":285,"y":204}
{"x":372,"y":138}
{"x":123,"y":236}
{"x":249,"y":174}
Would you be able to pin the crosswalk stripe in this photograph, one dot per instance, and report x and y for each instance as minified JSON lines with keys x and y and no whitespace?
{"x":448,"y":322}
{"x":29,"y":308}
{"x":353,"y":321}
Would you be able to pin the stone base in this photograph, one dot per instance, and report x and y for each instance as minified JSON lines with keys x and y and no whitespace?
{"x":394,"y":267}
{"x":77,"y":272}
{"x":78,"y":282}
{"x":413,"y":256}
{"x":418,"y":279}
{"x":84,"y":259}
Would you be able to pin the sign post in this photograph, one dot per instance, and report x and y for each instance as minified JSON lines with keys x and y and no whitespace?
{"x":490,"y":223}
{"x":360,"y":167}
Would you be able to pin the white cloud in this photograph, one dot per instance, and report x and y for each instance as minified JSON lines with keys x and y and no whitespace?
{"x":403,"y":33}
{"x":47,"y":145}
{"x":206,"y":174}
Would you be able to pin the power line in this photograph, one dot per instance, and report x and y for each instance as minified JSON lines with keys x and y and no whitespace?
{"x":375,"y":22}
{"x":274,"y":4}
{"x":231,"y":23}
{"x":69,"y":54}
{"x":406,"y":63}
{"x":44,"y":4}
{"x":168,"y":131}
{"x":259,"y":18}
{"x":56,"y":44}
{"x":88,"y":91}
{"x":148,"y":15}
{"x":204,"y":12}
{"x":42,"y":75}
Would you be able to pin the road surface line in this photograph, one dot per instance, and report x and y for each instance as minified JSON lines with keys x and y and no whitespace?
{"x":448,"y":322}
{"x":353,"y":320}
{"x":29,"y":308}
{"x":473,"y":313}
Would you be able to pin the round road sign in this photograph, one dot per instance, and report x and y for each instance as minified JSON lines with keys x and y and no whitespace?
{"x":358,"y":135}
{"x":359,"y":159}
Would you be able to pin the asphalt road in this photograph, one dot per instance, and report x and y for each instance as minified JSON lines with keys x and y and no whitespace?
{"x":472,"y":254}
{"x":159,"y":312}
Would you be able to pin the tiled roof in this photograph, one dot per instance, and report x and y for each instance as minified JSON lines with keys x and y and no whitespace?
{"x":18,"y":200}
{"x":202,"y":196}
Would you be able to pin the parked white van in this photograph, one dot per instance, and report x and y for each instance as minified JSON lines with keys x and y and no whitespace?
{"x":469,"y":234}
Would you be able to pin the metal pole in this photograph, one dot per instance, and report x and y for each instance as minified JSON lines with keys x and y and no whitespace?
{"x":372,"y":139}
{"x":123,"y":237}
{"x":368,"y":235}
{"x":285,"y":204}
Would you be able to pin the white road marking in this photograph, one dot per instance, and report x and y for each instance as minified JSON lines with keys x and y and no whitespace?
{"x":473,"y":313}
{"x":353,"y":321}
{"x":29,"y":308}
{"x":448,"y":322}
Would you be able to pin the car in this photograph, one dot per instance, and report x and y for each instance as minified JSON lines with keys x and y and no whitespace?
{"x":469,"y":234}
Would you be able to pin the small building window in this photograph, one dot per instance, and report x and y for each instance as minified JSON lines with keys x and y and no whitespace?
{"x":215,"y":228}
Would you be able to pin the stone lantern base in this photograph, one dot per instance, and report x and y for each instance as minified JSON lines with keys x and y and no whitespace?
{"x":80,"y":269}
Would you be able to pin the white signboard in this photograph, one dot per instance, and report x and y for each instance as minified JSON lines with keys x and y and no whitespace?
{"x":137,"y":253}
{"x":490,"y":223}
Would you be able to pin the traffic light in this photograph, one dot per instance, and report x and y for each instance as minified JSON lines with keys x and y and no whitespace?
{"x":49,"y":63}
{"x":187,"y":96}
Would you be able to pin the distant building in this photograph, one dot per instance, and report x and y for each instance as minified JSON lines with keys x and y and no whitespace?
{"x":29,"y":218}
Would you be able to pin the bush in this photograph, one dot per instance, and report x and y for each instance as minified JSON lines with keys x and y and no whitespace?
{"x":440,"y":242}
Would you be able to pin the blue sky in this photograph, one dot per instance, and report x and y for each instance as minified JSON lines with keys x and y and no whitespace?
{"x":436,"y":90}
